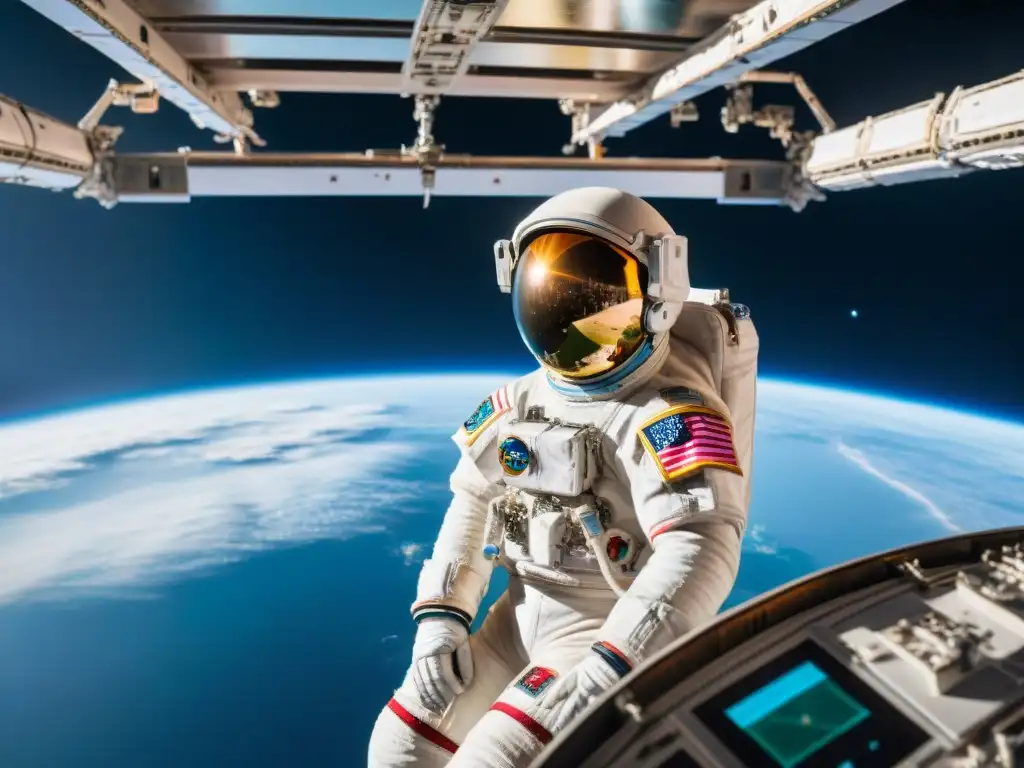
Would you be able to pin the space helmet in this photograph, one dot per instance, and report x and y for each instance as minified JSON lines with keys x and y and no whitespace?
{"x":597,"y":277}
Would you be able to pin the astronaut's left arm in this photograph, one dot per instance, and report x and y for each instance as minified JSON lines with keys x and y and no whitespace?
{"x":694,"y":525}
{"x":693,"y":516}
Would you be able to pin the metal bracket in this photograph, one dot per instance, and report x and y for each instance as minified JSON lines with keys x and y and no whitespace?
{"x":142,"y":98}
{"x":913,"y":570}
{"x":683,"y":112}
{"x":801,"y":190}
{"x":739,"y":109}
{"x":99,"y":185}
{"x":425,"y":150}
{"x":443,"y":40}
{"x":628,"y":706}
{"x":264,"y":99}
{"x":579,"y":114}
{"x":779,"y":120}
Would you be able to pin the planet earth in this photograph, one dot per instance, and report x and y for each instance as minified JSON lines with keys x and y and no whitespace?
{"x":222,"y":578}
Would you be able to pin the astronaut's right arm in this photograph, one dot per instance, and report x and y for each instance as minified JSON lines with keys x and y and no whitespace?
{"x":454,"y":580}
{"x":451,"y":587}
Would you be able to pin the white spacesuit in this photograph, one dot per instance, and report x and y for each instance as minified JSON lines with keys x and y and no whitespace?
{"x":612,"y":484}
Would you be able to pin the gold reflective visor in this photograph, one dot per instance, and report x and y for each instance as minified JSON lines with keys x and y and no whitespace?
{"x":578,"y":301}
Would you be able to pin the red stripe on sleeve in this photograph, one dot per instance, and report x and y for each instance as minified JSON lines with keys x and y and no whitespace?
{"x":542,"y":734}
{"x":432,"y":735}
{"x":664,"y":527}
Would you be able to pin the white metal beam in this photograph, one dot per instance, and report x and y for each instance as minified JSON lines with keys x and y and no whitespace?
{"x":975,"y":128}
{"x":286,"y":80}
{"x":114,"y":29}
{"x":37,"y":150}
{"x":396,"y":175}
{"x":443,"y":40}
{"x":764,"y":34}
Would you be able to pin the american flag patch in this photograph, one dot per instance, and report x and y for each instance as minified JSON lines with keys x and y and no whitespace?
{"x":686,"y":438}
{"x":485,"y":414}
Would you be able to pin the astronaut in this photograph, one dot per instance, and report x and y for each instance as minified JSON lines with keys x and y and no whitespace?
{"x":612,"y":483}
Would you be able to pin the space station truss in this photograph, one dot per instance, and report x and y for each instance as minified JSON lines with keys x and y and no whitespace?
{"x":612,"y":65}
{"x":973,"y":128}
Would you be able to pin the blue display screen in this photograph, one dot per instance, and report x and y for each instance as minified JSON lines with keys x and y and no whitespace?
{"x":806,"y":709}
{"x":797,"y":714}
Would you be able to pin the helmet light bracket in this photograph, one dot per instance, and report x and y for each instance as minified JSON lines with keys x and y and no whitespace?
{"x":668,"y":267}
{"x":669,"y":284}
{"x":504,"y":262}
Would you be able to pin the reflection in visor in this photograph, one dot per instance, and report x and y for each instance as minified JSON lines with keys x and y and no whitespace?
{"x":578,"y":301}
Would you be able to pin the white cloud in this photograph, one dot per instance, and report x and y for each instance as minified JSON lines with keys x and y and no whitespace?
{"x":933,"y":509}
{"x":145,"y":535}
{"x":177,"y":485}
{"x":412,"y":553}
{"x":965,"y":470}
{"x":755,"y":540}
{"x":233,"y":425}
{"x":38,"y":455}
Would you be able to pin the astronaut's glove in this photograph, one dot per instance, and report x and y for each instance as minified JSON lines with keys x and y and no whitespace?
{"x":589,"y":679}
{"x":442,"y":662}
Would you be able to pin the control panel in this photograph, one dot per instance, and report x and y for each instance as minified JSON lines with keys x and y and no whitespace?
{"x":914,"y":658}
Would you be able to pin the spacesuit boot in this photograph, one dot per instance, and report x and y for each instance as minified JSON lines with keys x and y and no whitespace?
{"x":611,"y":483}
